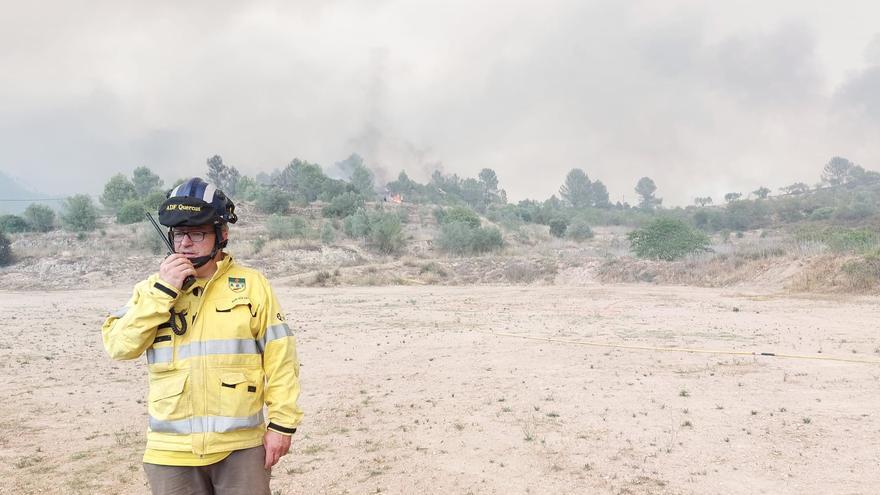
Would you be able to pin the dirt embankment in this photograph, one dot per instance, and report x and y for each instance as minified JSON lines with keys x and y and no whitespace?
{"x":124,"y":254}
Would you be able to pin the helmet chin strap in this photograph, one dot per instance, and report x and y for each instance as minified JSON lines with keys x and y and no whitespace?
{"x":201,"y":261}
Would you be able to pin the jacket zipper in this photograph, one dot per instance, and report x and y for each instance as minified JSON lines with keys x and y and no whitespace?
{"x":204,"y":361}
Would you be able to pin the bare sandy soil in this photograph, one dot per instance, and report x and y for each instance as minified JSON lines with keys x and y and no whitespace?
{"x":407,"y":391}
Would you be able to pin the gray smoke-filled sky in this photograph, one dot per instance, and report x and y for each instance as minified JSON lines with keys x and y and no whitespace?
{"x":704,"y":97}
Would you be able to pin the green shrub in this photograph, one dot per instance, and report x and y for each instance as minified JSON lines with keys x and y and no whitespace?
{"x":79,"y":213}
{"x":402,"y":215}
{"x":5,"y":250}
{"x":667,"y":239}
{"x":328,"y":233}
{"x":433,"y":267}
{"x":271,"y":200}
{"x":280,"y":227}
{"x":507,"y":216}
{"x":13,"y":224}
{"x":386,"y":233}
{"x":854,"y":211}
{"x":862,"y":273}
{"x":463,"y":215}
{"x":146,"y":238}
{"x":579,"y":230}
{"x":558,"y":226}
{"x":823,"y":213}
{"x":131,"y":212}
{"x":486,"y":239}
{"x":247,"y":189}
{"x":344,"y":205}
{"x":153,"y":200}
{"x":41,"y":218}
{"x":117,"y":191}
{"x":259,"y":244}
{"x":357,"y":225}
{"x":461,"y":238}
{"x":840,"y":239}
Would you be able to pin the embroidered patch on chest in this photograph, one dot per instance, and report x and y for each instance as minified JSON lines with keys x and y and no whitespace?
{"x":236,"y":284}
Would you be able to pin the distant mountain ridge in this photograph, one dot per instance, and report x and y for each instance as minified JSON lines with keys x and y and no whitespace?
{"x":11,"y":190}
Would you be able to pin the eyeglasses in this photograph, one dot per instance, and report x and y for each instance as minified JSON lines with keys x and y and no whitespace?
{"x":194,"y":236}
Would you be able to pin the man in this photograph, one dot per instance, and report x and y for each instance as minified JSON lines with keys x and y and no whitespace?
{"x":217,"y":350}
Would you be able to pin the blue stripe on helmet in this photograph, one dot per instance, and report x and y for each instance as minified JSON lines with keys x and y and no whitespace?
{"x":193,"y":188}
{"x":198,"y":189}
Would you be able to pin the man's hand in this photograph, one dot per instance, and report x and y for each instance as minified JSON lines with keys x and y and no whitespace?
{"x":174,"y":270}
{"x":276,"y":445}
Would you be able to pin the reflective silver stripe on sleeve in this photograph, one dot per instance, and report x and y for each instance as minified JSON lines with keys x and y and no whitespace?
{"x":203,"y":348}
{"x":206,"y":424}
{"x":275,"y":332}
{"x":119,"y":313}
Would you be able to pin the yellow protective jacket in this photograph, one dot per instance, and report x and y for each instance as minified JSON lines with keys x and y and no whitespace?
{"x":209,"y":385}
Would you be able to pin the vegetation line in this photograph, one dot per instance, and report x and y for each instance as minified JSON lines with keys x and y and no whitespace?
{"x":683,"y":349}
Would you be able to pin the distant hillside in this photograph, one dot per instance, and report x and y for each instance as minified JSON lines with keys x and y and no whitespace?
{"x":11,"y":190}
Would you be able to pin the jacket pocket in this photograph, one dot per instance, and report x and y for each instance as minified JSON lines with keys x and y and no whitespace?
{"x":235,"y":316}
{"x":168,"y":399}
{"x":230,"y":305}
{"x":240,"y":392}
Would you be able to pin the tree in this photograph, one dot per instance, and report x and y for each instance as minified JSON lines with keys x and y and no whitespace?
{"x":836,"y":171}
{"x":489,"y":184}
{"x":796,"y":188}
{"x":403,"y":185}
{"x":145,"y":181}
{"x":223,"y":176}
{"x":489,"y":179}
{"x":41,"y":218}
{"x":303,"y":180}
{"x":117,"y":191}
{"x":472,"y":194}
{"x":703,"y":200}
{"x":646,"y":188}
{"x":577,"y":190}
{"x":79,"y":213}
{"x":761,"y":192}
{"x":600,"y":195}
{"x":732,"y":196}
{"x":362,"y":180}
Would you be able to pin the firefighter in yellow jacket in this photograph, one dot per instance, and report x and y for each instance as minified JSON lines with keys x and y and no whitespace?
{"x":218,"y":350}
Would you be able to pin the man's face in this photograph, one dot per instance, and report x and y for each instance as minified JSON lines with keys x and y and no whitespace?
{"x":193,"y":242}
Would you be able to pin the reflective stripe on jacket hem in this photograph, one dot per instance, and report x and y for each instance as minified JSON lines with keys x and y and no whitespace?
{"x":206,"y":424}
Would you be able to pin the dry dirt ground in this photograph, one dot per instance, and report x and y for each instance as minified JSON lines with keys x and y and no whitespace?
{"x":406,"y":390}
